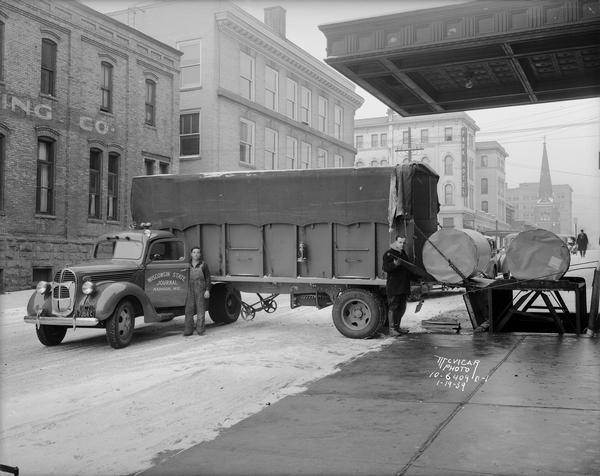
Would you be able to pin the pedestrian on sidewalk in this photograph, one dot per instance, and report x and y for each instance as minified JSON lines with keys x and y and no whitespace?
{"x":397,"y":286}
{"x":198,"y":292}
{"x":582,"y":243}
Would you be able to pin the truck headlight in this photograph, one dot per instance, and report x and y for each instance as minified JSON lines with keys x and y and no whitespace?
{"x":88,"y":287}
{"x":43,"y":287}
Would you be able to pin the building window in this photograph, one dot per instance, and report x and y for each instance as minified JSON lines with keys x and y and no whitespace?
{"x":359,"y":142}
{"x":374,"y":140}
{"x":48,"y":67}
{"x":190,"y":65}
{"x":470,"y":140}
{"x":425,"y":160}
{"x":471,"y":197}
{"x":305,"y":155}
{"x":112,"y":197}
{"x":271,"y":88}
{"x":321,"y":158}
{"x":383,"y":140}
{"x":271,"y":140}
{"x":424,"y":136}
{"x":149,"y":166}
{"x":374,"y":163}
{"x":323,"y":106}
{"x":246,"y":76}
{"x":305,"y":106}
{"x":359,"y":163}
{"x":94,"y":189}
{"x":189,"y":134}
{"x":484,"y":186}
{"x":448,"y":222}
{"x":291,"y":103}
{"x":2,"y":162}
{"x":448,"y":194}
{"x":45,"y":176}
{"x":163,"y":167}
{"x":1,"y":61}
{"x":484,"y":161}
{"x":291,"y":152}
{"x":405,"y":137}
{"x":338,"y":122}
{"x":384,"y":162}
{"x":107,"y":86}
{"x":471,"y":166}
{"x":448,"y":169}
{"x":484,"y":206}
{"x":246,"y":141}
{"x":150,"y":102}
{"x":338,"y":160}
{"x":448,"y":134}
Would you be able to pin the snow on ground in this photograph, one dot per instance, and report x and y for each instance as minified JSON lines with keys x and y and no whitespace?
{"x":84,"y":408}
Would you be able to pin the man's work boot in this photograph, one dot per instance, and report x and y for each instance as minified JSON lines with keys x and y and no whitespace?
{"x":200,"y":325}
{"x":394,"y":332}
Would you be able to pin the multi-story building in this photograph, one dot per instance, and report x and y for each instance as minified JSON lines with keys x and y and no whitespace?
{"x":490,"y":170}
{"x":86,"y":104}
{"x":543,"y":204}
{"x":447,"y":143}
{"x":250,"y":98}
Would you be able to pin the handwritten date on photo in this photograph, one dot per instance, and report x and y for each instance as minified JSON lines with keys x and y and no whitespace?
{"x":456,"y":373}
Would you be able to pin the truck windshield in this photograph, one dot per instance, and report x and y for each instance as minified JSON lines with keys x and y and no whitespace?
{"x":119,"y":249}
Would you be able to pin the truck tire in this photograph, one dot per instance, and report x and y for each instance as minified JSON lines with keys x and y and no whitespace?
{"x":119,"y":326}
{"x":225,"y":304}
{"x":51,"y":335}
{"x":358,"y":314}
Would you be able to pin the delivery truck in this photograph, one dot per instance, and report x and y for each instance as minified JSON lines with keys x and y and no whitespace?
{"x":317,"y":235}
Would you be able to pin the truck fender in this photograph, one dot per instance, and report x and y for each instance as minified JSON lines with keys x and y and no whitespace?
{"x":39,"y":302}
{"x":108,"y":295}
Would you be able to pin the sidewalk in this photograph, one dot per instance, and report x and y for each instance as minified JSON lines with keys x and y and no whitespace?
{"x":501,"y":405}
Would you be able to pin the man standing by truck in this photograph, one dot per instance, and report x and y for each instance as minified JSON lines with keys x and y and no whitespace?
{"x":397,"y":285}
{"x":198,"y":292}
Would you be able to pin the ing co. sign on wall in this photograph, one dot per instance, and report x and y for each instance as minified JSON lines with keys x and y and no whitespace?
{"x":29,"y":108}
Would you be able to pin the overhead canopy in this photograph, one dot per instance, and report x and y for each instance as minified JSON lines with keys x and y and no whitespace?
{"x":299,"y":197}
{"x":474,"y":55}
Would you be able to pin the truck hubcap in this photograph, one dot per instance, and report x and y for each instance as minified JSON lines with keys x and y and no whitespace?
{"x":124,"y":322}
{"x":356,"y":314}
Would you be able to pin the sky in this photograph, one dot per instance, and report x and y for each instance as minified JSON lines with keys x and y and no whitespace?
{"x":571,"y":129}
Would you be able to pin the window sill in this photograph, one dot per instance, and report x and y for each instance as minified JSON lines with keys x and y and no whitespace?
{"x":190,"y":88}
{"x":183,"y":158}
{"x":113,"y":222}
{"x":150,"y":126}
{"x":107,"y":113}
{"x":48,"y":96}
{"x":95,"y":220}
{"x":247,"y":165}
{"x":46,"y":217}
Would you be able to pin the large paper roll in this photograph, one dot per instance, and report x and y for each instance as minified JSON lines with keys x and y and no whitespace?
{"x":468,"y":250}
{"x":538,"y":254}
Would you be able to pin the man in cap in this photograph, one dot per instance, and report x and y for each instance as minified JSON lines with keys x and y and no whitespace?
{"x":397,"y":285}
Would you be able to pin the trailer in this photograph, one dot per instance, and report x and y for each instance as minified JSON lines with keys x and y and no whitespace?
{"x":317,"y":235}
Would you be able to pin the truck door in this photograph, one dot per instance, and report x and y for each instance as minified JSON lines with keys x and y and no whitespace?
{"x":166,"y":275}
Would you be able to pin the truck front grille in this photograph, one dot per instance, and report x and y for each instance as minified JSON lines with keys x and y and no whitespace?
{"x":63,"y":292}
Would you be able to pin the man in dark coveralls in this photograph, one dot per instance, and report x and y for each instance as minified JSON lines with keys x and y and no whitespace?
{"x":397,"y":285}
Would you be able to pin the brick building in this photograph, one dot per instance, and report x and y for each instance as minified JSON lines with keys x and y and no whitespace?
{"x":490,"y":170}
{"x":86,"y":103}
{"x":250,"y":98}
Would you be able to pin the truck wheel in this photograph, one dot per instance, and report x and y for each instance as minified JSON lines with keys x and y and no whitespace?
{"x":119,"y":326}
{"x":225,"y":304}
{"x":51,"y":335}
{"x":358,"y":314}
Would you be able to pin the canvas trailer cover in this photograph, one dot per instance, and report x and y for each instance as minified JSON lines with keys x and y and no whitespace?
{"x":320,"y":224}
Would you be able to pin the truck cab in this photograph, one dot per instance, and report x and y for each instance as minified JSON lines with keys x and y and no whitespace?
{"x":131,"y":273}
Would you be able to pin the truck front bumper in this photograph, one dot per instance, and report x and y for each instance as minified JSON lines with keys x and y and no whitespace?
{"x":63,"y":321}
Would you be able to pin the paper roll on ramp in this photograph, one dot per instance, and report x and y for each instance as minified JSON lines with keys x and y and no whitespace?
{"x":468,"y":250}
{"x":538,"y":254}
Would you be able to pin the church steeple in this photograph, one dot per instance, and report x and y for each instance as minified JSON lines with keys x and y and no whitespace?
{"x":545,"y":190}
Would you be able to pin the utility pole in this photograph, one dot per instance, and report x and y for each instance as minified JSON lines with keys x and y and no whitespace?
{"x":409,"y":148}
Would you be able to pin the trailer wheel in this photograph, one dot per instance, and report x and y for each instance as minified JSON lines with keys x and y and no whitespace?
{"x":225,"y":304}
{"x":358,"y":314}
{"x":119,"y":326}
{"x":51,"y":335}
